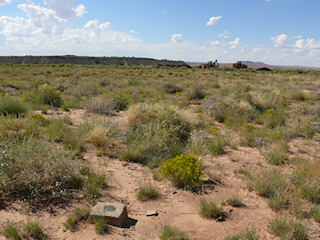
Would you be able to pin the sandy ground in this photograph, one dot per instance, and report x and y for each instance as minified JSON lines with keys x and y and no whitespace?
{"x":176,"y":207}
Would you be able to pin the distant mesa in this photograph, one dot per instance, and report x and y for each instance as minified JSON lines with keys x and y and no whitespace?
{"x":78,"y":60}
{"x":257,"y":65}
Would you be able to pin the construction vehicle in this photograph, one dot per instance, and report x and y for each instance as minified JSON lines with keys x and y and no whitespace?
{"x":210,"y":64}
{"x":239,"y":64}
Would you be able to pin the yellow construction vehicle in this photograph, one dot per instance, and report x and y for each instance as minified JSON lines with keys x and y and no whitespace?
{"x":210,"y":64}
{"x":239,"y":64}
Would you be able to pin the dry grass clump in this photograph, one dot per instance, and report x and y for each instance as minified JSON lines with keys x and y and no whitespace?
{"x":147,"y":192}
{"x":157,"y":132}
{"x":12,"y":107}
{"x":247,"y":234}
{"x":172,"y":233}
{"x":288,"y":229}
{"x":211,"y":210}
{"x":101,"y":105}
{"x":35,"y":170}
{"x":306,"y":178}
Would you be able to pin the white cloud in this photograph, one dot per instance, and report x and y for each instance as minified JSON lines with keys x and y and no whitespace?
{"x":40,"y":20}
{"x":176,"y":38}
{"x":5,"y":2}
{"x":96,"y":28}
{"x":257,"y":49}
{"x":268,"y":0}
{"x":281,"y":40}
{"x":66,"y":8}
{"x":133,"y":32}
{"x":213,"y":21}
{"x":224,"y":35}
{"x":215,"y":43}
{"x":235,"y":43}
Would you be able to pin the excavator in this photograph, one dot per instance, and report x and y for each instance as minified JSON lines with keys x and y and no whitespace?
{"x":239,"y":64}
{"x":210,"y":64}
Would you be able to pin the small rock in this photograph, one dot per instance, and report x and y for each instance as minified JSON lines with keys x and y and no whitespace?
{"x":220,"y":219}
{"x":152,"y":213}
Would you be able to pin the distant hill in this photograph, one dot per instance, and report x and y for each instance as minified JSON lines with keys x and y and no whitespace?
{"x":77,"y":60}
{"x":257,"y":65}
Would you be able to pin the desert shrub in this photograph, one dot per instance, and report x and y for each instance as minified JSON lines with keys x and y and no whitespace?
{"x":59,"y":129}
{"x":288,"y":229}
{"x":122,"y":101}
{"x":276,"y":157}
{"x":13,"y":107}
{"x":98,"y":136}
{"x":247,"y":234}
{"x":171,"y":233}
{"x":214,"y":106}
{"x":39,"y":119}
{"x":216,"y":145}
{"x":196,"y":92}
{"x":306,"y":178}
{"x":269,"y":183}
{"x":50,"y":96}
{"x":152,"y":143}
{"x":273,"y":118}
{"x":197,"y":142}
{"x":101,"y":225}
{"x":235,"y":201}
{"x":101,"y":105}
{"x":273,"y":185}
{"x":147,"y":192}
{"x":267,"y":100}
{"x":156,"y":133}
{"x":316,"y":214}
{"x":34,"y":230}
{"x":94,"y":184}
{"x":35,"y":170}
{"x":171,"y":88}
{"x":79,"y":214}
{"x":211,"y":210}
{"x":11,"y":231}
{"x":183,"y":171}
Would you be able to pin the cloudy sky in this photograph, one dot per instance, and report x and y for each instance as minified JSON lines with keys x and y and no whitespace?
{"x":283,"y":32}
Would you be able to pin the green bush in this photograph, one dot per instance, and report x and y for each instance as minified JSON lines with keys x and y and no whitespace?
{"x":13,"y":107}
{"x":183,"y":171}
{"x":50,"y":96}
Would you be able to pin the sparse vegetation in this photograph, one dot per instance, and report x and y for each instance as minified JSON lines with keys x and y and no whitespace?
{"x":11,"y":231}
{"x":247,"y":234}
{"x":147,"y":192}
{"x":171,"y":233}
{"x":288,"y":229}
{"x":34,"y":230}
{"x":211,"y":209}
{"x":256,"y":119}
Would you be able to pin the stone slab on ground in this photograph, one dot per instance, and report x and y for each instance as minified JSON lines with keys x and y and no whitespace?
{"x":115,"y":213}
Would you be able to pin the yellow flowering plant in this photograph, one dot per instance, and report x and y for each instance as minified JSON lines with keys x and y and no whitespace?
{"x":183,"y":171}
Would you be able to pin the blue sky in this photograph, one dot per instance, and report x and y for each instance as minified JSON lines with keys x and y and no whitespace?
{"x":282,"y":32}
